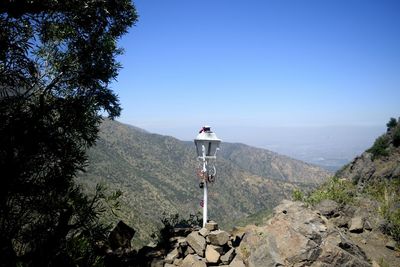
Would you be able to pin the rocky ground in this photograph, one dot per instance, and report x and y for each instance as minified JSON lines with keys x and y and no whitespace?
{"x":327,"y":235}
{"x":185,"y":247}
{"x":296,"y":235}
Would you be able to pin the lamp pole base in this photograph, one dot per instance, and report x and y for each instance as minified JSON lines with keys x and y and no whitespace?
{"x":205,"y":204}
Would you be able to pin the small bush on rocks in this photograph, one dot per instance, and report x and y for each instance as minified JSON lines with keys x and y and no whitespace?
{"x":387,"y":193}
{"x":297,"y":195}
{"x":340,"y":190}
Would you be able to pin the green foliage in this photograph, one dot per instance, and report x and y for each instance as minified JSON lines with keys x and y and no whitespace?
{"x":387,"y":193}
{"x":297,"y":195}
{"x":257,"y":218}
{"x":394,"y":224}
{"x":339,"y":190}
{"x":380,"y":147}
{"x":57,"y":59}
{"x":396,"y":136}
{"x":80,"y":248}
{"x":392,"y":123}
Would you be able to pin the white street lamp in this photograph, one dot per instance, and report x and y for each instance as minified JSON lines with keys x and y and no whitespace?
{"x":207,"y":145}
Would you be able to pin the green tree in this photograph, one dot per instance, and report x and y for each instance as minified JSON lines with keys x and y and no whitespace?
{"x":391,"y":124}
{"x":57,"y":59}
{"x":396,"y":136}
{"x":380,"y":146}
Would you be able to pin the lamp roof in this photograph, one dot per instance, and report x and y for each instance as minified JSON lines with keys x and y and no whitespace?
{"x":207,"y":135}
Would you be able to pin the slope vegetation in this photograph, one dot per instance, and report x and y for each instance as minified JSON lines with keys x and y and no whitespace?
{"x":156,"y":175}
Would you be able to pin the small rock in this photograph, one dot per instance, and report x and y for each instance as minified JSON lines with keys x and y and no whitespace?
{"x":341,"y":222}
{"x":212,"y":256}
{"x":177,"y":262}
{"x":237,"y":263}
{"x":364,"y":241}
{"x":367,"y":225}
{"x":219,"y":249}
{"x":197,"y":242}
{"x":204,"y":232}
{"x":192,"y":261}
{"x":211,"y":226}
{"x":188,"y":251}
{"x":322,"y":228}
{"x":169,"y":265}
{"x":356,"y":225}
{"x":200,"y":264}
{"x":174,"y":254}
{"x":218,"y":237}
{"x":227,"y":258}
{"x":327,"y":208}
{"x":391,"y":244}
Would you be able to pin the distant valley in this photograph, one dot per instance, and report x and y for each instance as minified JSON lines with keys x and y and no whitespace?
{"x":330,"y":147}
{"x":156,"y":174}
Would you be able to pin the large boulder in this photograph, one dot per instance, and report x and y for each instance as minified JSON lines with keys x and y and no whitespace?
{"x":211,"y":226}
{"x":357,"y":224}
{"x":327,"y":208}
{"x":298,"y":236}
{"x":218,"y":237}
{"x":212,"y":255}
{"x":197,"y":242}
{"x":228,"y":256}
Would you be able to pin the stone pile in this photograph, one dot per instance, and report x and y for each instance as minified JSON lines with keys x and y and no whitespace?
{"x":208,"y":246}
{"x":299,"y":236}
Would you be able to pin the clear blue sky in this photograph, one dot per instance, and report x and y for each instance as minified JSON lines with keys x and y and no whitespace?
{"x":292,"y":63}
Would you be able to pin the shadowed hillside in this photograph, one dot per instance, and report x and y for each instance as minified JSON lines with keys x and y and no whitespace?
{"x":157,"y":174}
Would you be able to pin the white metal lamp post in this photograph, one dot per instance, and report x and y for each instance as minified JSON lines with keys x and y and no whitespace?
{"x":207,"y":145}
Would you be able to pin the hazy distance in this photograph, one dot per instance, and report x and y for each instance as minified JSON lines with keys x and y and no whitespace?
{"x":328,"y":146}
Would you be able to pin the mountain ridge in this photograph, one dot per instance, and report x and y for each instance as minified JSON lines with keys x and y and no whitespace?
{"x":352,"y":219}
{"x":156,"y":175}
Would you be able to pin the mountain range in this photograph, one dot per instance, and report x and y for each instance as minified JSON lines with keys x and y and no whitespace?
{"x":157,"y":177}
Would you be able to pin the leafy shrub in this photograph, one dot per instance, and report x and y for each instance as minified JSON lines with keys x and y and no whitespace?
{"x":258,"y":218}
{"x":396,"y":136}
{"x":380,"y":146}
{"x":339,"y":190}
{"x":387,"y":193}
{"x":394,"y":219}
{"x":297,"y":195}
{"x":392,"y":123}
